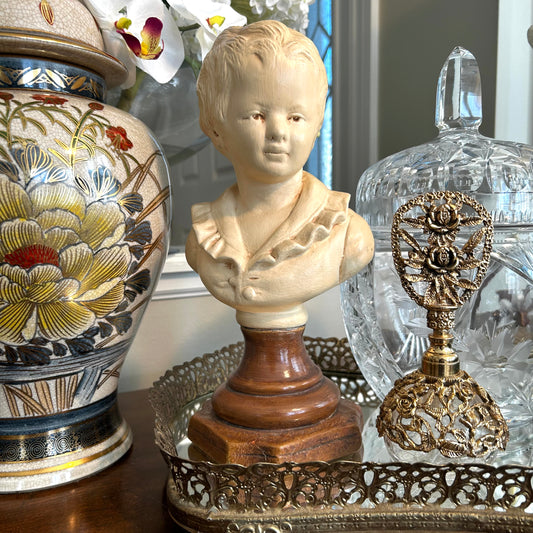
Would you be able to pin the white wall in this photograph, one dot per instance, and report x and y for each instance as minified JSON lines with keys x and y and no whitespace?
{"x":180,"y":329}
{"x":514,"y":87}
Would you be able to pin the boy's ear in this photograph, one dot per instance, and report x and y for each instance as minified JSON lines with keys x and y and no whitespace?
{"x":317,"y":135}
{"x":216,"y":138}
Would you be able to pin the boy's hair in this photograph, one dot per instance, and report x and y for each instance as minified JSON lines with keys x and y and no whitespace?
{"x":224,"y":63}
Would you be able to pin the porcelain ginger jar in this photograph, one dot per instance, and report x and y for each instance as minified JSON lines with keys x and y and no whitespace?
{"x":84,"y":213}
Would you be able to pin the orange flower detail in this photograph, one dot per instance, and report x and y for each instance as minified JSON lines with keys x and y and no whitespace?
{"x":119,"y":138}
{"x":51,"y":99}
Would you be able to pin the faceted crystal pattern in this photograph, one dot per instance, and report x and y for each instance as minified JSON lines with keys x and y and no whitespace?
{"x":494,"y":330}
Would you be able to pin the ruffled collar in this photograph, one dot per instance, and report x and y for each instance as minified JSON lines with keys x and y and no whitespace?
{"x":317,"y":211}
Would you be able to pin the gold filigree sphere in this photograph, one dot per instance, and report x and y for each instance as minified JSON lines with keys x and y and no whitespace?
{"x":441,"y":245}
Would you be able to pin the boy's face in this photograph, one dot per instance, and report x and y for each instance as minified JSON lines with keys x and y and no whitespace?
{"x":273,"y":118}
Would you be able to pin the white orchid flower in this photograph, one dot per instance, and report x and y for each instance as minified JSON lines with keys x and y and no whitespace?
{"x":140,"y":33}
{"x":213,"y":18}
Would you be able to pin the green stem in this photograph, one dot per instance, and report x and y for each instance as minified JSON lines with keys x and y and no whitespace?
{"x":244,"y":8}
{"x":189,"y":27}
{"x":128,"y":95}
{"x":77,"y":134}
{"x":7,"y":123}
{"x":11,"y":115}
{"x":194,"y":64}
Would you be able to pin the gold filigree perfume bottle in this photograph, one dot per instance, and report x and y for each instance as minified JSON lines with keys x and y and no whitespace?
{"x":441,"y":244}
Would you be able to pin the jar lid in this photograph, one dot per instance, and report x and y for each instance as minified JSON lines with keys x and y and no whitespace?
{"x":62,"y":30}
{"x":498,"y":174}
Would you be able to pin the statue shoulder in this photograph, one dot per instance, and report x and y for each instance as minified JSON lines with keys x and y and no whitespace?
{"x":358,"y":246}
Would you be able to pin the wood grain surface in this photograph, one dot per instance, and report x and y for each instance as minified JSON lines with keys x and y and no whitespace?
{"x":127,"y":497}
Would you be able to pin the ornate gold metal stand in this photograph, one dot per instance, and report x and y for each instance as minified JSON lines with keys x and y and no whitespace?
{"x":440,"y":407}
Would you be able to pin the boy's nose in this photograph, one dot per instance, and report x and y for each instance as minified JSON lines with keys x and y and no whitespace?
{"x":276,"y":129}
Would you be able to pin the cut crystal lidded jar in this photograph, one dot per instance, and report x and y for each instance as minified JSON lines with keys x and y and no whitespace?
{"x":494,"y":330}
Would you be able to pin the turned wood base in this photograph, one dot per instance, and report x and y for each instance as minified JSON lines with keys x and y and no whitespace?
{"x":276,"y":385}
{"x":277,"y":406}
{"x":336,"y":437}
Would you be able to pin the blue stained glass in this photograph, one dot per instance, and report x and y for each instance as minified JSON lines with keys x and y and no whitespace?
{"x":320,"y":161}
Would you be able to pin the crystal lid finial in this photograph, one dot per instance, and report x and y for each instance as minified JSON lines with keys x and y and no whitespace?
{"x":459,"y":92}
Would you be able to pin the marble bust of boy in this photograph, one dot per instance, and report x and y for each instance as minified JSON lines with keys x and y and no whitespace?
{"x":278,"y":236}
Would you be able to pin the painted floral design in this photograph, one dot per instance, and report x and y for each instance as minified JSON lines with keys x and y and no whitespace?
{"x":46,"y":11}
{"x":61,"y":261}
{"x":50,"y":99}
{"x":119,"y":138}
{"x":73,"y":238}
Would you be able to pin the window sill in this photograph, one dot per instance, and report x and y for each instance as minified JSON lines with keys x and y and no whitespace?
{"x":178,"y":280}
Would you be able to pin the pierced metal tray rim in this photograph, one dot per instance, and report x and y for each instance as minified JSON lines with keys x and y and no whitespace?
{"x":480,"y":504}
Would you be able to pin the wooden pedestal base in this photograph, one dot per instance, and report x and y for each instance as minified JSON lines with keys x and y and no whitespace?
{"x":336,"y":437}
{"x":277,"y":406}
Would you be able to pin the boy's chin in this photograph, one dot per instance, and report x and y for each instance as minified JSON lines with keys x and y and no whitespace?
{"x":277,"y":177}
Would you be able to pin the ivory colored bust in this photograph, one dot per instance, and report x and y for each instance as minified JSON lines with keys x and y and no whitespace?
{"x":272,"y":241}
{"x":278,"y":236}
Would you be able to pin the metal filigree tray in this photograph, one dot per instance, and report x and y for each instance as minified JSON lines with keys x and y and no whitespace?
{"x":319,"y":496}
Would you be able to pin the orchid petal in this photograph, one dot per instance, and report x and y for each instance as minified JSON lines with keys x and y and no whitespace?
{"x":151,"y":45}
{"x":213,"y":17}
{"x":216,"y":20}
{"x":172,"y":54}
{"x":116,"y":46}
{"x":151,"y":37}
{"x":202,"y":11}
{"x":133,"y":43}
{"x":137,"y":42}
{"x":104,"y":12}
{"x":123,"y":23}
{"x":206,"y":40}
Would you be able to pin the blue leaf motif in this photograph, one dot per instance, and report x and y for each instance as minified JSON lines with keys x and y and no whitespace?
{"x":34,"y":355}
{"x":139,"y":282}
{"x":142,"y":233}
{"x":121,"y":322}
{"x":34,"y":162}
{"x":10,"y":170}
{"x":80,"y":345}
{"x":105,"y":329}
{"x":104,"y":184}
{"x":57,"y":173}
{"x":132,"y":202}
{"x":83,"y":184}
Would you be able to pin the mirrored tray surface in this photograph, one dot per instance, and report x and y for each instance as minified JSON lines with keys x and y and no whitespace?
{"x":319,"y":496}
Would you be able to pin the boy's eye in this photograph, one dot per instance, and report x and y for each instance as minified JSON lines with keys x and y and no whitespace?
{"x":295,"y":118}
{"x":258,"y":116}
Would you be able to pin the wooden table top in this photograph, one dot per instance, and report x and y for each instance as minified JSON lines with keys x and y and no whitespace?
{"x":126,"y":497}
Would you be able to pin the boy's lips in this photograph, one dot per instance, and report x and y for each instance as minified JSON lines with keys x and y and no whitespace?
{"x":275,"y":150}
